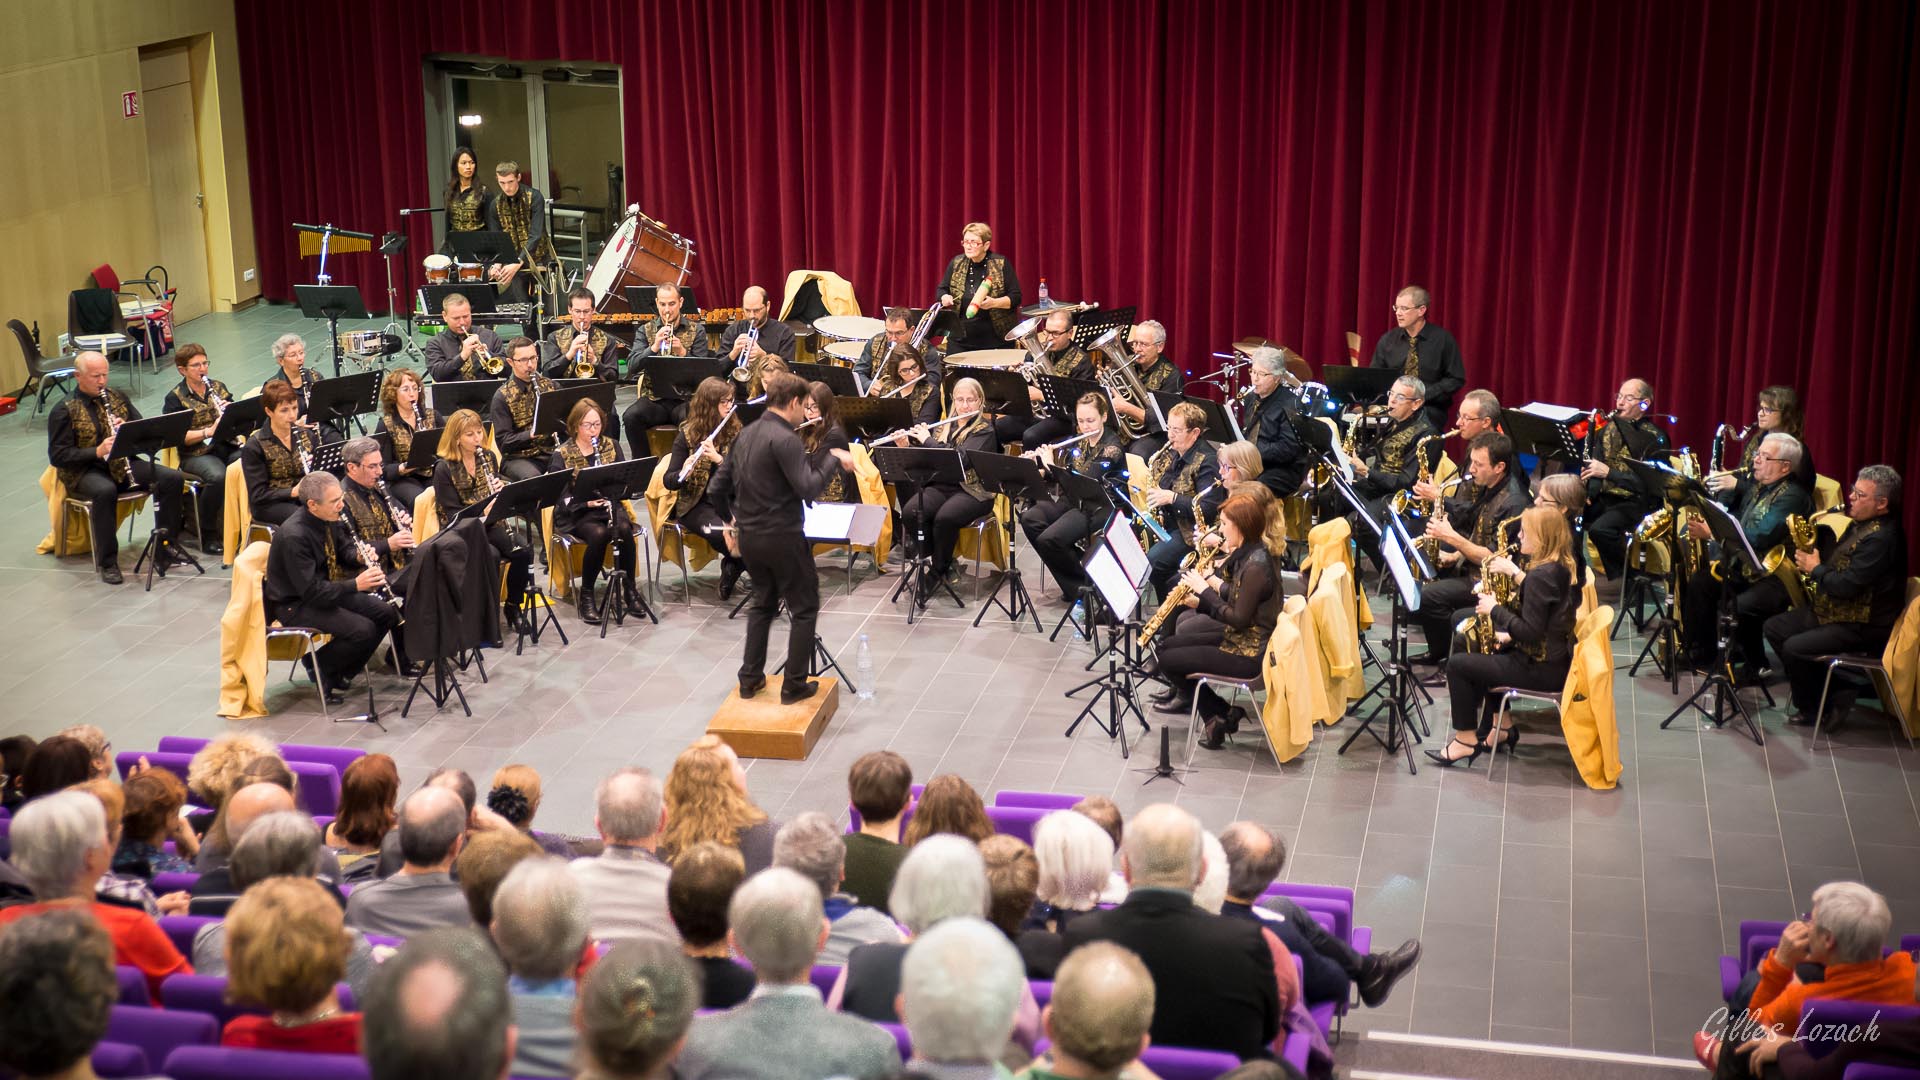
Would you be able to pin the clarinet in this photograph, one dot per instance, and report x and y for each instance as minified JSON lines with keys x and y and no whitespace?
{"x":370,"y":558}
{"x":616,"y":508}
{"x":399,"y":515}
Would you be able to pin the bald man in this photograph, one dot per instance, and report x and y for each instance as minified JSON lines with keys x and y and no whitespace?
{"x":80,"y":435}
{"x":440,"y":1008}
{"x":775,"y":338}
{"x":214,"y":891}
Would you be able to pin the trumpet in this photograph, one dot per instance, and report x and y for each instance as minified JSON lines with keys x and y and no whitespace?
{"x":742,"y":368}
{"x":693,"y":456}
{"x":896,"y":436}
{"x":583,"y":359}
{"x":661,"y":338}
{"x":484,"y":360}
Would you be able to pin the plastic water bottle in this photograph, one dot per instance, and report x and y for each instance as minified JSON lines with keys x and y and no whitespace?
{"x":863,"y":668}
{"x":1079,"y":620}
{"x":1043,"y":290}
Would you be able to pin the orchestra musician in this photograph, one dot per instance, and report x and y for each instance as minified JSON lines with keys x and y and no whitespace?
{"x":1761,"y":508}
{"x":923,"y":397}
{"x":465,"y":197}
{"x":1264,"y":422}
{"x":511,"y":411}
{"x":1778,"y":410}
{"x":469,"y":473}
{"x":453,"y":353}
{"x":1468,"y":530}
{"x":1184,"y":490}
{"x":578,"y":337}
{"x":1398,"y":454}
{"x":656,"y":404}
{"x":276,"y":456}
{"x":520,"y":211}
{"x":1564,"y":492}
{"x":874,"y":364}
{"x":372,"y":510}
{"x":1418,"y":348}
{"x":80,"y":436}
{"x":1538,"y":636}
{"x":981,"y":291}
{"x":599,"y":523}
{"x":202,"y":458}
{"x":1858,"y":590}
{"x":1232,"y":612}
{"x":314,"y":579}
{"x":949,"y":508}
{"x":290,"y":354}
{"x":1057,"y":528}
{"x":1062,"y":358}
{"x":771,"y":337}
{"x":1616,"y":500}
{"x":824,"y":435}
{"x":1478,"y":414}
{"x":403,"y":414}
{"x":1148,"y":342}
{"x":697,"y":508}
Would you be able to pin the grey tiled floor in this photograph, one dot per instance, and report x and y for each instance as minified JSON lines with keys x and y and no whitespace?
{"x":1550,"y":913}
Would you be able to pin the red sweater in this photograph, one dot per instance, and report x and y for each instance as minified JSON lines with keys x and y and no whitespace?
{"x":138,"y":941}
{"x":334,"y":1035}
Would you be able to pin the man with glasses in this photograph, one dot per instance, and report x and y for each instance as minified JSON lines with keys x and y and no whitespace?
{"x":1395,"y":464}
{"x":1858,"y":589}
{"x":1479,"y":414}
{"x":1616,"y":502}
{"x":1185,"y":489}
{"x":1146,"y":342}
{"x":981,"y":292}
{"x":1762,"y":509}
{"x":655,"y":403}
{"x":877,"y":361}
{"x":1418,"y":348}
{"x":1264,"y":423}
{"x":1062,"y":358}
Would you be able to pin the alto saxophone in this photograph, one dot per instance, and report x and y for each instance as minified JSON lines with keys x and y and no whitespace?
{"x":1200,"y":560}
{"x":1800,"y":530}
{"x":1477,"y":629}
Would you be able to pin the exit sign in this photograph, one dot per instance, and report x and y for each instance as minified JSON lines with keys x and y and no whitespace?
{"x":130,"y":104}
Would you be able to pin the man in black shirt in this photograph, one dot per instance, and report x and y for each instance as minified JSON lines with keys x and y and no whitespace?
{"x":766,"y":477}
{"x":1062,"y":358}
{"x":1762,"y":508}
{"x":80,"y":434}
{"x":373,"y":512}
{"x":1616,"y":500}
{"x":655,"y":404}
{"x":312,"y":581}
{"x":1417,"y":347}
{"x":981,"y":291}
{"x":1283,"y":458}
{"x":775,"y":338}
{"x":525,"y":454}
{"x":453,"y":353}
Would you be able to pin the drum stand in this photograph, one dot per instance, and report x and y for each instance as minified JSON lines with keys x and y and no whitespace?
{"x":397,"y":244}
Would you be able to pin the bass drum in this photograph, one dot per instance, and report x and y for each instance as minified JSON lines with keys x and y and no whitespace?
{"x":640,"y":252}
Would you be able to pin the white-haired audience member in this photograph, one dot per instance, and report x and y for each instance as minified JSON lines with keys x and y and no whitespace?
{"x":811,"y":846}
{"x":439,"y":1010}
{"x":1105,"y":813}
{"x":422,"y":895}
{"x":57,"y":994}
{"x":942,"y":876}
{"x":626,"y":884}
{"x":1098,"y":1019}
{"x":540,"y":928}
{"x":783,"y":1030}
{"x":635,"y":1007}
{"x":1076,"y":859}
{"x":60,"y":847}
{"x":959,"y":990}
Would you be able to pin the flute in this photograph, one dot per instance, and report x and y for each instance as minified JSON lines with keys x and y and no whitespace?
{"x":901,"y":390}
{"x":693,"y":456}
{"x":896,"y":436}
{"x":1062,"y":444}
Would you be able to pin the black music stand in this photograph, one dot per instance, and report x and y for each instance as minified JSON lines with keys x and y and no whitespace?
{"x":550,"y":409}
{"x":916,"y":468}
{"x":1088,"y":494}
{"x":616,"y":482}
{"x":866,"y":419}
{"x":241,"y":418}
{"x":838,"y":379}
{"x":1544,"y":437}
{"x":479,"y":300}
{"x":330,"y":458}
{"x":1400,"y":690}
{"x":1004,"y":390}
{"x":146,"y":438}
{"x":1349,"y":385}
{"x":674,"y":378}
{"x":455,"y":394}
{"x":523,"y":499}
{"x":1118,"y":568}
{"x":1222,"y":425}
{"x":1022,"y":482}
{"x":332,"y":303}
{"x":338,"y":400}
{"x":1735,"y":553}
{"x":484,"y":246}
{"x":1060,"y":394}
{"x":424,"y":453}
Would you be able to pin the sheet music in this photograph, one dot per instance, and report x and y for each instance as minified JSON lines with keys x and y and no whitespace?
{"x":827,"y":519}
{"x":1402,"y":575}
{"x":1559,"y":413}
{"x":1126,"y":545}
{"x":1339,"y":451}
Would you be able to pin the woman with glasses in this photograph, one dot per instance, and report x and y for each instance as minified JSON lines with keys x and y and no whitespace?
{"x":1778,"y":410}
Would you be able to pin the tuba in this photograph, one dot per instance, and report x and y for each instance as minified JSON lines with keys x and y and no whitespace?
{"x":1122,"y":383}
{"x":1026,"y":334}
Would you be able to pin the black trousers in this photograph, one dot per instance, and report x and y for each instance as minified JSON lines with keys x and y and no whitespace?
{"x":517,"y":557}
{"x":523,"y":468}
{"x":97,"y":487}
{"x":1752,"y":607}
{"x":210,"y":469}
{"x":702,"y":520}
{"x":1056,"y":530}
{"x":1798,"y":636}
{"x":948,"y":510}
{"x":782,"y":568}
{"x":1471,"y":675}
{"x":647,"y":413}
{"x":1441,"y":601}
{"x":1611,"y":520}
{"x":273,"y":513}
{"x":1163,"y":562}
{"x":596,"y":533}
{"x":1194,"y":649}
{"x":356,"y":626}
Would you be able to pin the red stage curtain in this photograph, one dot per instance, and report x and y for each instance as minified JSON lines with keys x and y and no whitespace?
{"x":1713,"y":195}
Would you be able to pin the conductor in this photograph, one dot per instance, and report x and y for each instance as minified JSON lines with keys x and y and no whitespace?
{"x":766,"y":477}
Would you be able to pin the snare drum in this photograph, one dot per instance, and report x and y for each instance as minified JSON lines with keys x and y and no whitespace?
{"x":438,"y":268}
{"x":849,"y":327}
{"x":844,"y":353}
{"x":470,"y":272}
{"x":361,"y":342}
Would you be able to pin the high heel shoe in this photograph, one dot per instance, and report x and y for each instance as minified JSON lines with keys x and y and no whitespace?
{"x":1441,"y":757}
{"x":1510,"y":740}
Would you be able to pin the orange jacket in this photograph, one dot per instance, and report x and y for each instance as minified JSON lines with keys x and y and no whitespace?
{"x":1777,"y":1000}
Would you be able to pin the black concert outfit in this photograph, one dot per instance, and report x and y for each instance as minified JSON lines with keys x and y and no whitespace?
{"x":1762,"y":513}
{"x":523,"y":217}
{"x":1283,"y":457}
{"x":1057,"y":528}
{"x":1070,"y":362}
{"x":205,"y":461}
{"x":466,"y":212}
{"x":842,"y":485}
{"x":658,"y":406}
{"x":597,"y":527}
{"x":1433,"y":357}
{"x":699,"y":507}
{"x":1536,"y":659}
{"x":1395,"y":468}
{"x":987,"y":329}
{"x":527,"y":455}
{"x":1859,"y":589}
{"x":330,"y":432}
{"x":1194,"y":479}
{"x":950,"y":508}
{"x":1158,"y":377}
{"x":1803,"y":474}
{"x":1488,"y":521}
{"x":765,"y":478}
{"x":311,"y":568}
{"x":605,"y":348}
{"x":443,"y":354}
{"x":374,"y":517}
{"x":1617,"y":503}
{"x":74,"y":428}
{"x":406,"y":486}
{"x":776,"y":338}
{"x":874,"y":365}
{"x":455,"y":489}
{"x":272,"y":468}
{"x":1227,"y":634}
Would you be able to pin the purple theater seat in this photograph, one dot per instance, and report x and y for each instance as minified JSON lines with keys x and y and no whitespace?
{"x":1333,"y":899}
{"x":1822,"y":1020}
{"x":181,"y":929}
{"x":112,"y":1060}
{"x":1910,"y":943}
{"x":175,"y":763}
{"x":173,"y":881}
{"x":1177,"y":1062}
{"x":824,"y":976}
{"x":1296,"y":1050}
{"x":316,"y":787}
{"x":1757,"y":938}
{"x":1043,"y":800}
{"x":222,"y":1063}
{"x":337,"y":756}
{"x":208,"y":994}
{"x":1016,"y":821}
{"x":159,"y":1032}
{"x":1042,"y":991}
{"x":1861,"y":1070}
{"x":6,"y":846}
{"x":900,"y":1038}
{"x":133,"y":985}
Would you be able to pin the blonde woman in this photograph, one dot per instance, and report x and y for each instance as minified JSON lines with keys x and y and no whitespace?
{"x":467,"y":473}
{"x":706,"y":795}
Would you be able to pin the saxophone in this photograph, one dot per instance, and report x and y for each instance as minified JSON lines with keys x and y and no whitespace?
{"x":1200,"y":560}
{"x":1801,"y":531}
{"x":1477,"y":629}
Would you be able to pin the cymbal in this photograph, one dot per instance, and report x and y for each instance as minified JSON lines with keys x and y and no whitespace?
{"x":1048,"y":307}
{"x":1248,"y":344}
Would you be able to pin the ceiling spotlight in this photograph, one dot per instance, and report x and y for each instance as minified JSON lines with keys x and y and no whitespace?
{"x":471,"y":119}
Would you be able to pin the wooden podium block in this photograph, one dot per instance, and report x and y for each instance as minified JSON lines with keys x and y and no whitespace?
{"x":761,"y":727}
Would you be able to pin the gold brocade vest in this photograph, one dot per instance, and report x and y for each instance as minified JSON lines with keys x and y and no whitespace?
{"x":89,"y":433}
{"x":205,"y":412}
{"x":284,"y":468}
{"x":696,"y":483}
{"x":463,"y":210}
{"x":1397,"y":446}
{"x":879,"y":368}
{"x":996,"y":268}
{"x":835,"y":489}
{"x":683,"y":332}
{"x":1859,"y":609}
{"x":1063,"y":362}
{"x":335,"y":572}
{"x":917,"y":397}
{"x":1616,"y":452}
{"x":598,"y":342}
{"x":516,"y":219}
{"x":1250,"y":640}
{"x":472,"y":486}
{"x":1158,"y":374}
{"x":371,"y":515}
{"x":402,"y":433}
{"x":1163,"y":473}
{"x":575,"y":460}
{"x":957,"y":435}
{"x":520,"y":407}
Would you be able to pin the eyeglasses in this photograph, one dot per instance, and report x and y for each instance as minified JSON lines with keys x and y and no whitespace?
{"x":1769,"y":410}
{"x":1398,"y":308}
{"x":1856,"y":493}
{"x":1401,"y":397}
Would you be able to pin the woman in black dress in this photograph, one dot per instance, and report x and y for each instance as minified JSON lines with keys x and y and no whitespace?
{"x":600,"y":522}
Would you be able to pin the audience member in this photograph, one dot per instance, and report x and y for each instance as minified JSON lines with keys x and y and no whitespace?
{"x":369,"y":790}
{"x":259,"y":772}
{"x":151,"y":817}
{"x":439,"y":1010}
{"x":287,"y":950}
{"x":1013,"y":882}
{"x":483,"y":863}
{"x":960,"y":987}
{"x":214,"y":891}
{"x":540,"y":928}
{"x":55,"y":765}
{"x":1098,"y":1019}
{"x":14,"y":752}
{"x":1105,"y":813}
{"x":515,"y":796}
{"x":1211,"y":893}
{"x":57,"y":993}
{"x":60,"y":846}
{"x":948,"y":805}
{"x":635,"y":1008}
{"x":783,"y":1031}
{"x":1074,"y":856}
{"x":126,"y":890}
{"x":698,"y":893}
{"x":1213,"y":975}
{"x":810,"y":846}
{"x":214,"y":772}
{"x":479,"y":818}
{"x":626,"y":884}
{"x":422,"y":895}
{"x":879,"y":786}
{"x":1328,"y":965}
{"x":99,"y":747}
{"x":706,"y":795}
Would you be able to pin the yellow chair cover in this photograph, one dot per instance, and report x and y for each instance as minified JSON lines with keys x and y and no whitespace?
{"x":987,"y":545}
{"x":1287,"y":714}
{"x":244,"y":649}
{"x":1902,"y":658}
{"x":836,"y":292}
{"x":67,"y":528}
{"x":873,"y":492}
{"x":238,"y":519}
{"x":1586,"y":703}
{"x":1338,"y":640}
{"x":1327,"y":545}
{"x":659,"y":505}
{"x":426,"y":515}
{"x":1589,"y":599}
{"x":1316,"y":691}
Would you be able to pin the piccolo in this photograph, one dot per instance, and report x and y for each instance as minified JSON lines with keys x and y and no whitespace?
{"x":896,"y":436}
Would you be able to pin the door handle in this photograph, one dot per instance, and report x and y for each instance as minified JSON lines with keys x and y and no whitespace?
{"x":199,"y":200}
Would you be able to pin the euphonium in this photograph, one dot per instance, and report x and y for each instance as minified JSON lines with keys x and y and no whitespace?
{"x":1027,"y":335}
{"x":1477,"y":629}
{"x":1121,"y":381}
{"x":1200,"y":560}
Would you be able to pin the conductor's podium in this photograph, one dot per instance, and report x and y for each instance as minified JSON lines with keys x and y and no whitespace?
{"x":761,"y":727}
